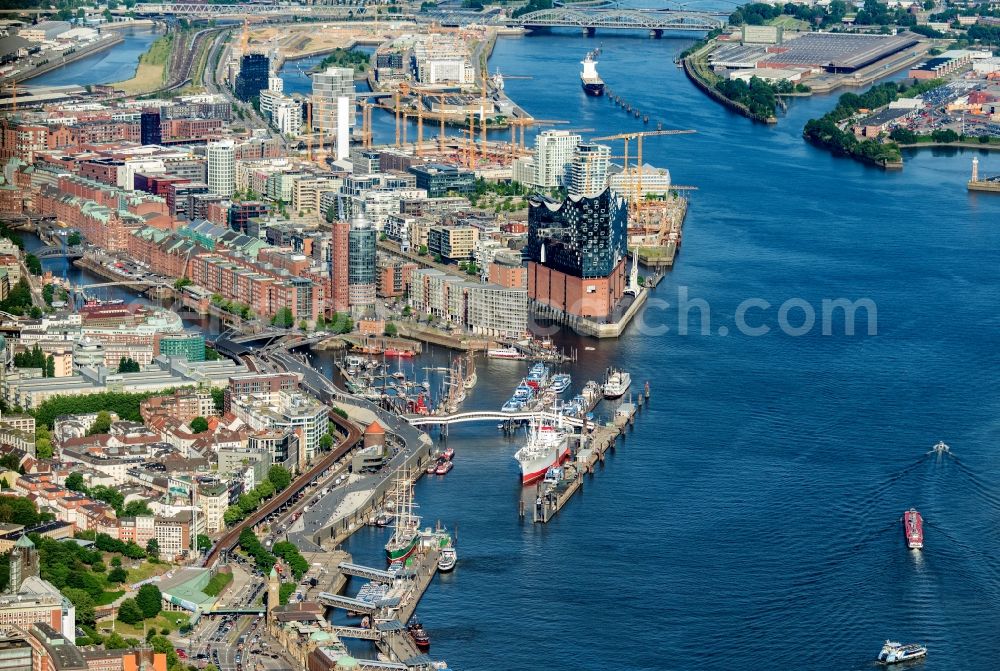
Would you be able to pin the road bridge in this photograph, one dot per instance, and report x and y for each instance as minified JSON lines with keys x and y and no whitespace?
{"x":491,"y":416}
{"x":589,"y":20}
{"x":59,"y":252}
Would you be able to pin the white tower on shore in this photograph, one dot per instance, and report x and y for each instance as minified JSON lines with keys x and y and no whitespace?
{"x":975,"y":169}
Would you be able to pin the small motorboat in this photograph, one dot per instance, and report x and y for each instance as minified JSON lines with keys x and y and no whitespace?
{"x":419,"y":635}
{"x":449,"y":453}
{"x":448,"y":559}
{"x":443,"y":466}
{"x":431,"y":469}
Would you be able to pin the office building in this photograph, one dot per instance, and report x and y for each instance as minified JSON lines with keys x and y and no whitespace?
{"x":37,"y":601}
{"x":452,"y":243}
{"x":333,"y":107}
{"x":588,"y":173}
{"x":149,"y":127}
{"x":554,"y":150}
{"x":286,"y":410}
{"x":253,"y":76}
{"x":339,"y":266}
{"x":222,"y":168}
{"x":15,"y":652}
{"x":282,"y":447}
{"x":577,"y":251}
{"x":191,"y":346}
{"x":444,"y":180}
{"x":361,"y":265}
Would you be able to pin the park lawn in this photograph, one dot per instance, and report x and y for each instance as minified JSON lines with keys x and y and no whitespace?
{"x":217,"y":584}
{"x":152,"y":68}
{"x":107,"y":598}
{"x":790,"y":23}
{"x":146,"y":570}
{"x":165,"y":620}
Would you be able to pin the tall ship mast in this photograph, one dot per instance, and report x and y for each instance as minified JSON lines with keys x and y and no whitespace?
{"x":592,"y":83}
{"x":406,"y":532}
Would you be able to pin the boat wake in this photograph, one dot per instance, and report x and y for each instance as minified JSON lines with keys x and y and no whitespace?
{"x":881,"y":488}
{"x":988,"y":561}
{"x":981,"y":487}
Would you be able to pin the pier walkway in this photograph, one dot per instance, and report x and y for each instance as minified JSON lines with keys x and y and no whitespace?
{"x":490,"y":416}
{"x":366,"y":572}
{"x":345,"y":603}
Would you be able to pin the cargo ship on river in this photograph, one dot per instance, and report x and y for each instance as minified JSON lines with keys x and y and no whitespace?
{"x":592,"y":83}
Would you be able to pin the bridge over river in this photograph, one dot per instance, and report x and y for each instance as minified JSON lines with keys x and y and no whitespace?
{"x":589,"y":20}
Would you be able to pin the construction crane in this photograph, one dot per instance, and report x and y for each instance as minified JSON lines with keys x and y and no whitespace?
{"x":638,"y":136}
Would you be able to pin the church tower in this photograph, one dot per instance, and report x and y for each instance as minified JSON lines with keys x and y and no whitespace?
{"x":23,"y":562}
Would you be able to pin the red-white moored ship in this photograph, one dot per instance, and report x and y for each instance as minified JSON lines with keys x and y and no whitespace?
{"x":547,"y":446}
{"x":913,"y":526}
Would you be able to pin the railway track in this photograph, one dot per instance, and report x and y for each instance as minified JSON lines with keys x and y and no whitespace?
{"x":351,"y":435}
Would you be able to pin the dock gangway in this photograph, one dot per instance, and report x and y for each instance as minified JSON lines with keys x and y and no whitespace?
{"x":378,"y":665}
{"x":345,"y":603}
{"x":366,"y":572}
{"x":356,"y":632}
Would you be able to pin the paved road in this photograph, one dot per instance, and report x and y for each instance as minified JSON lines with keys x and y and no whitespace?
{"x":406,"y":441}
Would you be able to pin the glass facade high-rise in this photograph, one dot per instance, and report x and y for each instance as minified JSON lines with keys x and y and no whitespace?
{"x":582,"y":237}
{"x":253,"y":76}
{"x":191,"y":346}
{"x":588,"y":174}
{"x":361,"y":264}
{"x":328,"y":87}
{"x":149,"y":127}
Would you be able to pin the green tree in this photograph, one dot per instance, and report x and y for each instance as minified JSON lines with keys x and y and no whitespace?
{"x":74,"y":482}
{"x":284,"y":318}
{"x":84,"y":604}
{"x":33,"y":264}
{"x":136,"y":508}
{"x":279,"y":477}
{"x":181,"y":282}
{"x":391,"y":330}
{"x":199,"y":425}
{"x":74,"y":239}
{"x":204,"y":542}
{"x":43,"y":448}
{"x":265,"y":490}
{"x":152,"y":550}
{"x":101,"y":425}
{"x":117,"y":575}
{"x":109,"y":495}
{"x":128,"y":365}
{"x":326,"y":442}
{"x":129,"y":612}
{"x":285,"y":592}
{"x":114,"y":641}
{"x":232,"y":515}
{"x":150,"y":600}
{"x":50,"y":366}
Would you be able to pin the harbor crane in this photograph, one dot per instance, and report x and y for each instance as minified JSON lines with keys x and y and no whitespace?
{"x":638,"y":136}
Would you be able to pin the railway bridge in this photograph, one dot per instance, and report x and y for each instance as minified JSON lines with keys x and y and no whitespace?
{"x":589,"y":20}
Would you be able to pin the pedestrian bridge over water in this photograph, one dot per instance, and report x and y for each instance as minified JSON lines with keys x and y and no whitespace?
{"x":491,"y":416}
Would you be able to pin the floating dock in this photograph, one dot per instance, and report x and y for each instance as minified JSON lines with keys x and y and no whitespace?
{"x":546,"y":500}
